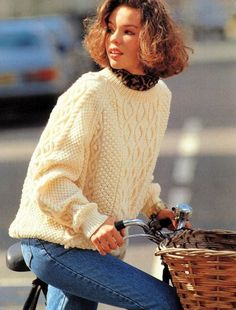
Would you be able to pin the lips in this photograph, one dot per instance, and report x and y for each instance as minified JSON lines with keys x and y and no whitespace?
{"x":115,"y":52}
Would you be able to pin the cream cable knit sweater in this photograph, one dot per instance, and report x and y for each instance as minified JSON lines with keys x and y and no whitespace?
{"x":94,"y":159}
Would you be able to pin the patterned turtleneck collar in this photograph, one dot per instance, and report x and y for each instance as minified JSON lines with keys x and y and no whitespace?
{"x":134,"y":81}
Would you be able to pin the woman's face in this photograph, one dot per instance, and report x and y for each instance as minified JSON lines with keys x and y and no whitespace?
{"x":122,"y":39}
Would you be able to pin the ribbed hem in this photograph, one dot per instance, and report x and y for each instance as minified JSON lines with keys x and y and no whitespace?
{"x":94,"y":221}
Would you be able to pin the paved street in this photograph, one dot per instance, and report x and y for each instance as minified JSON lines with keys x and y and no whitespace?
{"x":197,"y":162}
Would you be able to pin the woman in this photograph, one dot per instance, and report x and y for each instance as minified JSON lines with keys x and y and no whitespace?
{"x":94,"y":163}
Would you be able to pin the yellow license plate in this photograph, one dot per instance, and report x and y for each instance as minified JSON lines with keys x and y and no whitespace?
{"x":7,"y":79}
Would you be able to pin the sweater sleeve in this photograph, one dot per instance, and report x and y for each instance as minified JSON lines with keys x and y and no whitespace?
{"x":153,"y":203}
{"x":58,"y":161}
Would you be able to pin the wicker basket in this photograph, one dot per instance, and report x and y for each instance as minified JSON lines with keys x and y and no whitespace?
{"x":202,"y":265}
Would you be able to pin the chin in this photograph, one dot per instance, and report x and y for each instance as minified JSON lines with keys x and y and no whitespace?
{"x":115,"y":66}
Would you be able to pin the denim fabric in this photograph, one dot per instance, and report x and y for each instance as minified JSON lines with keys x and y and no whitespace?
{"x":80,"y":279}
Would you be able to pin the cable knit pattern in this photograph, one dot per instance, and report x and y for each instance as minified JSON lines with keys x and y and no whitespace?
{"x":95,"y":158}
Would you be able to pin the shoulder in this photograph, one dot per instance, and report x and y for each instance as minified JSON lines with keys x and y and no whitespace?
{"x":92,"y":80}
{"x":90,"y":85}
{"x":80,"y":105}
{"x":163,"y":90}
{"x":164,"y":98}
{"x":84,"y":96}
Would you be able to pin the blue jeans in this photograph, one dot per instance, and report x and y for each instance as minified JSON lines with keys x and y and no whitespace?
{"x":80,"y":279}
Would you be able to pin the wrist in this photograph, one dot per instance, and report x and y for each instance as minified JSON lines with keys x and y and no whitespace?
{"x":158,"y":206}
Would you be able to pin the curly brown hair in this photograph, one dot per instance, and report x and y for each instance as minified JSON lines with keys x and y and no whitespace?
{"x":162,"y":49}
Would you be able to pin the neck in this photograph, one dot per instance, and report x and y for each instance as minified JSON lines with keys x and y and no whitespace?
{"x":136,"y":81}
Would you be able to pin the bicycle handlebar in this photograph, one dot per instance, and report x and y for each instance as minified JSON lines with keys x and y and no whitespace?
{"x":152,"y":229}
{"x":159,"y":224}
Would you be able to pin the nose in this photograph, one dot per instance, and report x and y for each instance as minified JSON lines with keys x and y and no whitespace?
{"x":115,"y":37}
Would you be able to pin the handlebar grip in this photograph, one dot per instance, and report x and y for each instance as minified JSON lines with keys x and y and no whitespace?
{"x":119,"y":225}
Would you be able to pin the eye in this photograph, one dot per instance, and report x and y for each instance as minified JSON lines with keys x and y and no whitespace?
{"x":109,"y":30}
{"x":129,"y":32}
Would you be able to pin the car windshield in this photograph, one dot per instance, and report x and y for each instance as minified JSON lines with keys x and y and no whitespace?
{"x":18,"y":40}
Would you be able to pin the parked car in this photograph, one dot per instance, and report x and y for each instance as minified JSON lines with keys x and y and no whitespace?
{"x":68,"y":38}
{"x":30,"y":64}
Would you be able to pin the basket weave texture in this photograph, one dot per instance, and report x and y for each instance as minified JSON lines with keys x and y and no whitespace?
{"x":202,"y":264}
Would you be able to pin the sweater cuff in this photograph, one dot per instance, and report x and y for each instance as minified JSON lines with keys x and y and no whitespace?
{"x":157,"y":207}
{"x":93,"y":222}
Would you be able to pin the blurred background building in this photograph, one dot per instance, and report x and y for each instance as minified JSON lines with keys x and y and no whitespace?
{"x":35,"y":7}
{"x":196,"y":15}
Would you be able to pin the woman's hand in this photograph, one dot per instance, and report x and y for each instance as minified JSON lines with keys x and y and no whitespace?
{"x":107,"y":238}
{"x":166,"y":213}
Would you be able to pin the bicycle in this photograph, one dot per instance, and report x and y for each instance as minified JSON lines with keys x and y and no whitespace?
{"x":152,"y":230}
{"x":191,"y":258}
